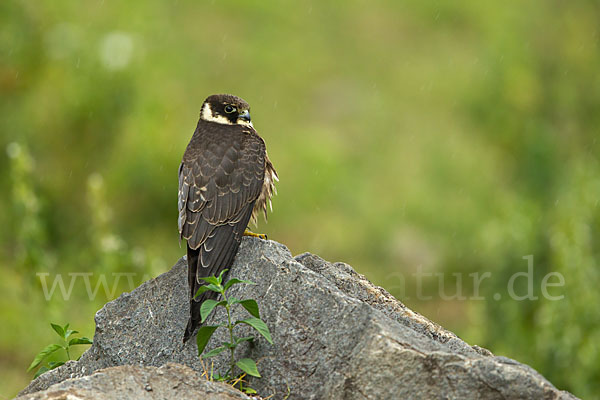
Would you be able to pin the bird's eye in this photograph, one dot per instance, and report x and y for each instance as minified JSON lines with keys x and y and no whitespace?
{"x":229,"y":109}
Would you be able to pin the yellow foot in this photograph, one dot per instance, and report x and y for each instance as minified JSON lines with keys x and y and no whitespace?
{"x":248,"y":232}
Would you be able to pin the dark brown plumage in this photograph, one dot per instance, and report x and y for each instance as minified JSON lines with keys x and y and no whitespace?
{"x":225,"y":179}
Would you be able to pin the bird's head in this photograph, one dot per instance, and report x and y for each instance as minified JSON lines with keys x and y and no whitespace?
{"x":226,"y":109}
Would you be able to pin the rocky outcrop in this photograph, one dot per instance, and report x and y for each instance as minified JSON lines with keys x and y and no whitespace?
{"x":171,"y":381}
{"x":336,"y":336}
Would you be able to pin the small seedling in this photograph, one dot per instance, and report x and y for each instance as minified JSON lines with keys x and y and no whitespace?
{"x":247,"y":365}
{"x":64,"y":332}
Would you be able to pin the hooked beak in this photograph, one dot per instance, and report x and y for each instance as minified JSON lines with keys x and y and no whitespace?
{"x":245,"y":115}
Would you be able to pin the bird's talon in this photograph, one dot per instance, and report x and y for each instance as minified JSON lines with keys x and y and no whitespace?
{"x":248,"y":232}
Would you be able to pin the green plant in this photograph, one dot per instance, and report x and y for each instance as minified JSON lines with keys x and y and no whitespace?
{"x":247,"y":365}
{"x":64,"y":332}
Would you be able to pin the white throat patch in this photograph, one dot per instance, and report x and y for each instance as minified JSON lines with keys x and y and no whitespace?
{"x":207,"y":115}
{"x":245,"y":123}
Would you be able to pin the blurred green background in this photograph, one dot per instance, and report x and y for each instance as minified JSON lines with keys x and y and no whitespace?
{"x":445,"y":138}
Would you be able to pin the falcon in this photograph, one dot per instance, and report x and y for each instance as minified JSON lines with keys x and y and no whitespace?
{"x":225,"y":180}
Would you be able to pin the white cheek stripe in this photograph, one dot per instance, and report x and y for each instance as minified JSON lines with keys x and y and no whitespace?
{"x":207,"y":115}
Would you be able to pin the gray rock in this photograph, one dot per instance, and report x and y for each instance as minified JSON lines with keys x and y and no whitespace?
{"x":171,"y":381}
{"x":336,"y":336}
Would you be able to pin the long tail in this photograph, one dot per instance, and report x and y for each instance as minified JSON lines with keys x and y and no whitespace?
{"x":212,"y":257}
{"x":194,"y":321}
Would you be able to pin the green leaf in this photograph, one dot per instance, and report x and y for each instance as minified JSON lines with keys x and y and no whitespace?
{"x":248,"y":366}
{"x":214,"y":288}
{"x":244,"y":339}
{"x":66,"y":331}
{"x":207,"y":306}
{"x":58,"y":329}
{"x":220,"y":278}
{"x":211,"y":279}
{"x":81,"y":340}
{"x":204,"y":334}
{"x":201,"y":290}
{"x":55,"y":364}
{"x":41,"y":371}
{"x":211,"y":287}
{"x":214,"y":352}
{"x":250,"y":306}
{"x":69,"y":332}
{"x":235,"y":281}
{"x":51,"y":348}
{"x":249,"y":390}
{"x":259,"y":325}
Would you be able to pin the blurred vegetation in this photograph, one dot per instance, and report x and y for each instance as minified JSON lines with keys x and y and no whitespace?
{"x":442,"y":137}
